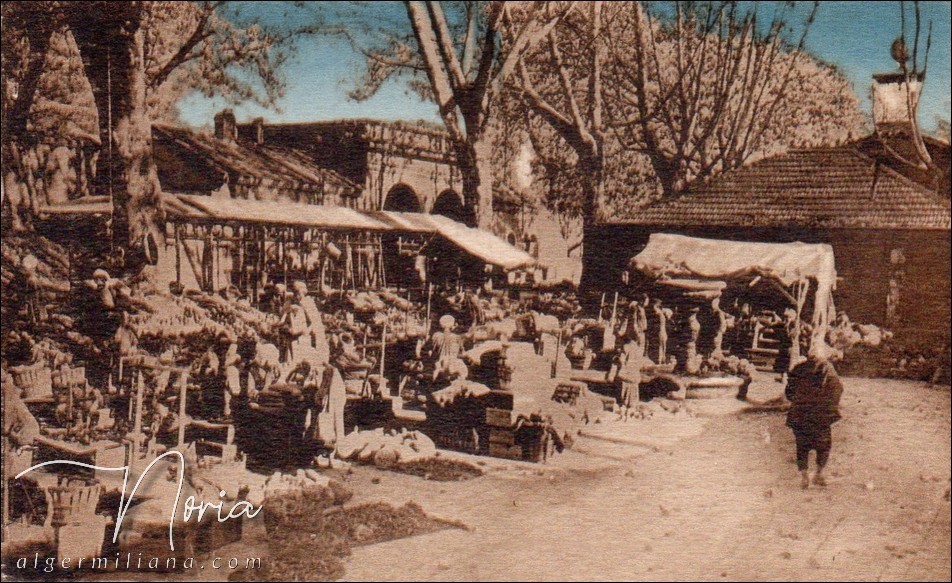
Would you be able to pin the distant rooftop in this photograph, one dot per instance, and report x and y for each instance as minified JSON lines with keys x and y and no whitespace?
{"x":852,"y":186}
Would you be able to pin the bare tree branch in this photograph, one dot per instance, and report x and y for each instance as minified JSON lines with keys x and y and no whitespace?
{"x":184,"y":53}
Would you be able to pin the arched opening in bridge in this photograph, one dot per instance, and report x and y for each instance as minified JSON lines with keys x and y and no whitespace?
{"x":450,"y":204}
{"x":402,"y":198}
{"x":399,"y":261}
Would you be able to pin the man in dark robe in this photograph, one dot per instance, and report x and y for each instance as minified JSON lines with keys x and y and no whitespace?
{"x":814,"y":390}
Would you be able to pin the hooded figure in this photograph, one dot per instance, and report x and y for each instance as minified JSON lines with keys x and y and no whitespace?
{"x":814,"y":390}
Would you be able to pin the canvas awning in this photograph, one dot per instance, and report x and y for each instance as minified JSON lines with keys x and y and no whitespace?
{"x":87,"y":205}
{"x":678,"y":256}
{"x":477,"y":242}
{"x":682,"y":256}
{"x":481,"y":244}
{"x":275,"y":213}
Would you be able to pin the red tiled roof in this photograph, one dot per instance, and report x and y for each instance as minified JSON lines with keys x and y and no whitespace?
{"x":824,"y":187}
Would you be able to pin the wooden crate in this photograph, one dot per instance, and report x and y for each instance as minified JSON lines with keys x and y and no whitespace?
{"x":510,"y":452}
{"x":500,"y":436}
{"x":535,"y":444}
{"x":499,"y":399}
{"x":211,"y":535}
{"x":568,"y":392}
{"x":498,"y":417}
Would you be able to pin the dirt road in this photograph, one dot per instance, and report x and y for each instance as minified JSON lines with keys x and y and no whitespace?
{"x":719,"y":500}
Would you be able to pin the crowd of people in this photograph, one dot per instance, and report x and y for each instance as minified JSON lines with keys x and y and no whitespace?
{"x":299,"y":356}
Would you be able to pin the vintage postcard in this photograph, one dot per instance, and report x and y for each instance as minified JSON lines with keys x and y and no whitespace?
{"x":476,"y":291}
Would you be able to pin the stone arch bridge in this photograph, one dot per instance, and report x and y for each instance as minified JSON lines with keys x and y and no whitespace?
{"x":400,"y":166}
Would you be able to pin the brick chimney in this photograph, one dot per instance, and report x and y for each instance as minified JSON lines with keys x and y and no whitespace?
{"x":226,"y":128}
{"x":896,"y":100}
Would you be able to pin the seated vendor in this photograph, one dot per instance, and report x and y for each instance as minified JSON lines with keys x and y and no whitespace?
{"x":445,"y":348}
{"x":575,"y":351}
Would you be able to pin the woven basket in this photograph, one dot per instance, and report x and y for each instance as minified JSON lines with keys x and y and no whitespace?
{"x":36,"y":382}
{"x":73,"y":501}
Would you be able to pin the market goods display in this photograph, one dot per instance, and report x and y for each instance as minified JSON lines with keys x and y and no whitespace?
{"x":385,"y":449}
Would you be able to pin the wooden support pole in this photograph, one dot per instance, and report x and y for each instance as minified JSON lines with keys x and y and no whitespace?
{"x":140,"y":390}
{"x":4,"y":454}
{"x":183,"y":388}
{"x":137,"y":423}
{"x":178,"y":254}
{"x":283,"y":254}
{"x":429,"y":298}
{"x":383,"y":349}
{"x":69,"y":400}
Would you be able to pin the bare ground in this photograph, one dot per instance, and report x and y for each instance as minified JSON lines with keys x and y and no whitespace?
{"x":714,"y":498}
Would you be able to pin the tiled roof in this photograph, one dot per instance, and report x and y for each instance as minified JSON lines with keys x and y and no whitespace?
{"x":830,"y":187}
{"x":282,"y":165}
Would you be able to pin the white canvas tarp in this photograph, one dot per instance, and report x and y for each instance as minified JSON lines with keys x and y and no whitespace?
{"x":673,"y":256}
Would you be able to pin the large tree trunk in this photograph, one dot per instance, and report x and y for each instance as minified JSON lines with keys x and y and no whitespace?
{"x":112,"y":46}
{"x":475,"y":165}
{"x":592,"y":167}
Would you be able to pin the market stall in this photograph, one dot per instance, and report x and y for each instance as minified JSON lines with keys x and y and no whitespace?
{"x":801,"y":273}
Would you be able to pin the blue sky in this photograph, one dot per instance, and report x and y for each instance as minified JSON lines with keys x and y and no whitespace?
{"x":855,"y":36}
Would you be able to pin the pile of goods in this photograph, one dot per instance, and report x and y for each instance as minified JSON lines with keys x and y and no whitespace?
{"x":561,"y":305}
{"x":385,"y":449}
{"x":200,"y":316}
{"x":845,"y":335}
{"x":31,"y":262}
{"x":458,"y":390}
{"x":365,"y":314}
{"x":729,"y":364}
{"x":662,"y":407}
{"x":869,"y":350}
{"x":239,"y":316}
{"x":922,"y":360}
{"x":34,"y":273}
{"x":302,"y":479}
{"x":440,"y":469}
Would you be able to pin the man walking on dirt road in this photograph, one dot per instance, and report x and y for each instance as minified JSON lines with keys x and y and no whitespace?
{"x":814,"y":390}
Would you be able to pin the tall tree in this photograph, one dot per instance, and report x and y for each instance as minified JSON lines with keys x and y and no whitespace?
{"x":465,"y":59}
{"x":704,"y":87}
{"x":562,"y":83}
{"x":111,"y":41}
{"x":623,"y":106}
{"x":223,"y":49}
{"x":140,"y":58}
